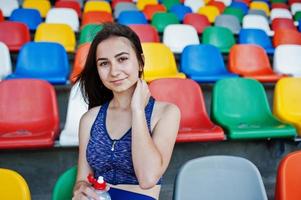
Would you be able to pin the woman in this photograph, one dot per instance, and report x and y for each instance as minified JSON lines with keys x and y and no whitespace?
{"x":126,"y":136}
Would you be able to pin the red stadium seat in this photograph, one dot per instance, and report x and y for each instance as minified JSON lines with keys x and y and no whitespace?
{"x":198,"y":21}
{"x":220,"y":5}
{"x":286,"y":36}
{"x":69,"y":4}
{"x":151,"y":9}
{"x":1,"y":16}
{"x":28,"y":118}
{"x":279,"y":5}
{"x":96,"y":17}
{"x":146,"y":32}
{"x":195,"y":124}
{"x":14,"y":34}
{"x":283,"y":23}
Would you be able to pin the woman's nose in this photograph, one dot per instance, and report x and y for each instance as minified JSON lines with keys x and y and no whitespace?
{"x":115,"y":70}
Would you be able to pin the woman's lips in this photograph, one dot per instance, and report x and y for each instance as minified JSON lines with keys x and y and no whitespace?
{"x":119,"y":81}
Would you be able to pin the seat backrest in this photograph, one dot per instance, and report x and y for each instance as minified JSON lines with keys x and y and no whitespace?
{"x":159,"y":59}
{"x":30,"y":17}
{"x":124,"y":6}
{"x":169,"y":3}
{"x":258,"y":22}
{"x":96,"y":17}
{"x":257,"y":12}
{"x":228,"y":21}
{"x":283,"y":23}
{"x":161,"y":20}
{"x":203,"y":59}
{"x":249,"y":104}
{"x":180,"y":10}
{"x":5,"y":61}
{"x":13,"y":185}
{"x":38,"y":59}
{"x":235,"y":12}
{"x":63,"y":188}
{"x":150,"y":9}
{"x":63,"y":16}
{"x":32,"y":109}
{"x":88,"y":33}
{"x":287,"y":59}
{"x":115,"y":2}
{"x":75,"y":5}
{"x":249,"y":59}
{"x":289,"y":177}
{"x":48,"y":32}
{"x":1,"y":16}
{"x":241,"y":5}
{"x":97,"y":6}
{"x":42,"y":6}
{"x":209,"y":177}
{"x":220,"y":5}
{"x":280,"y":13}
{"x":20,"y":32}
{"x":80,"y":60}
{"x":260,"y":5}
{"x":210,"y":11}
{"x":254,"y":36}
{"x":145,"y":32}
{"x":186,"y":94}
{"x":178,"y":36}
{"x":198,"y":21}
{"x":131,"y":17}
{"x":286,"y":36}
{"x":7,"y":6}
{"x":194,"y":4}
{"x":142,"y":3}
{"x":295,"y":7}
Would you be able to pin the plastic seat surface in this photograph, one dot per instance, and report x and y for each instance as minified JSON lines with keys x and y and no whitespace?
{"x":132,"y":17}
{"x":145,"y":32}
{"x":42,"y":6}
{"x":246,"y":115}
{"x":27,"y":120}
{"x":63,"y":16}
{"x":258,"y":22}
{"x":287,"y":97}
{"x":7,"y":6}
{"x":194,"y":4}
{"x":159,"y":62}
{"x":235,"y":12}
{"x":198,"y":21}
{"x":210,"y":11}
{"x":96,"y":17}
{"x":195,"y":125}
{"x":204,"y":63}
{"x":13,"y":185}
{"x":283,"y":23}
{"x":240,"y":5}
{"x":42,"y":60}
{"x":200,"y":177}
{"x":124,"y":6}
{"x":150,"y":9}
{"x":30,"y":17}
{"x":286,"y":36}
{"x":169,"y":3}
{"x":280,"y":13}
{"x":228,"y":21}
{"x":161,"y":20}
{"x":88,"y":33}
{"x":180,"y":11}
{"x":97,"y":6}
{"x":142,"y":3}
{"x":75,"y":5}
{"x":5,"y":61}
{"x":259,"y":5}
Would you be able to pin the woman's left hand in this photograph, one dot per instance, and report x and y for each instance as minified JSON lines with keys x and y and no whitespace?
{"x":140,"y":96}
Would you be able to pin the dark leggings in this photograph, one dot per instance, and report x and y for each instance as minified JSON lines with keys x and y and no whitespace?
{"x":118,"y":194}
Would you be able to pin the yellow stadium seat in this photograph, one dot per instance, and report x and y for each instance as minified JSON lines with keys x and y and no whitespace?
{"x":287,"y":101}
{"x":260,"y":5}
{"x":60,"y":33}
{"x":13,"y":185}
{"x":43,"y":6}
{"x":211,"y":12}
{"x":97,"y":6}
{"x":159,"y":62}
{"x":142,"y":3}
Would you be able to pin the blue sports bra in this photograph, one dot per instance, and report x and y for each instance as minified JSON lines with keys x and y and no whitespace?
{"x":109,"y":158}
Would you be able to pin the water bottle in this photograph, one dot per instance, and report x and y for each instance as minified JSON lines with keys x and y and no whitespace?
{"x":99,"y":186}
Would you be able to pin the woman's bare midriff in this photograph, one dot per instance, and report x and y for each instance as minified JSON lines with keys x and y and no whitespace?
{"x":153,"y":192}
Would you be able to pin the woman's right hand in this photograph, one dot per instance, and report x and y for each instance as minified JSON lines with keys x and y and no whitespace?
{"x":84,"y":191}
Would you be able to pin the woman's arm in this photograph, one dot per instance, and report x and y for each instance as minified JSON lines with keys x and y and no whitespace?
{"x":151,"y":155}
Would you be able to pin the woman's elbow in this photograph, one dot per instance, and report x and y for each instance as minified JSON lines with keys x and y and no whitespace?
{"x":148,"y":182}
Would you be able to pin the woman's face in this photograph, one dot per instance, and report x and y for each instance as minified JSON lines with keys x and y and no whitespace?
{"x":117,"y":63}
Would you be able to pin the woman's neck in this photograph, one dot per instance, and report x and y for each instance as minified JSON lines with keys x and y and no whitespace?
{"x":122,"y":100}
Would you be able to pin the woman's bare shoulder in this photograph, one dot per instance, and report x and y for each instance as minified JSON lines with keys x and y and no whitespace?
{"x":90,"y":116}
{"x":163,"y":109}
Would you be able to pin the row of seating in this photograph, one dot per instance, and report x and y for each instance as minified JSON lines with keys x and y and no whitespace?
{"x":32,"y":121}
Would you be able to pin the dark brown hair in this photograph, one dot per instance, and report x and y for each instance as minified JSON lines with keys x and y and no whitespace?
{"x":93,"y":90}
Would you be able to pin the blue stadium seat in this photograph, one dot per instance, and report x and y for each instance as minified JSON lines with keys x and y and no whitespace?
{"x":240,"y":5}
{"x":256,"y":36}
{"x":132,"y":17}
{"x":30,"y":17}
{"x":204,"y":63}
{"x":42,"y":60}
{"x":180,"y":10}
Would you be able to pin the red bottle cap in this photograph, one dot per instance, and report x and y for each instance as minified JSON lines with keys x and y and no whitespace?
{"x":99,"y":184}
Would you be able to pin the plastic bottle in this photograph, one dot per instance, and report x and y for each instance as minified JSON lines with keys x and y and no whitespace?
{"x":100,"y":187}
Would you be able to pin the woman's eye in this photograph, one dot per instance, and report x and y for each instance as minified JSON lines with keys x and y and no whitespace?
{"x":102,"y":64}
{"x":121,"y":59}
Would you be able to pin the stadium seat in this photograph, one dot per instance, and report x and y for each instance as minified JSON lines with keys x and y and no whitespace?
{"x":115,"y":2}
{"x":180,"y":11}
{"x":220,"y":5}
{"x":228,"y":21}
{"x":258,"y":22}
{"x":42,"y":6}
{"x":42,"y":60}
{"x":80,"y":60}
{"x":5,"y":61}
{"x":260,"y":5}
{"x":1,"y":16}
{"x":251,"y":61}
{"x":13,"y":185}
{"x":289,"y":177}
{"x":257,"y":12}
{"x":161,"y":20}
{"x":150,"y":10}
{"x":240,"y":5}
{"x":96,"y":17}
{"x":286,"y":36}
{"x":97,"y":6}
{"x":27,"y":121}
{"x":75,"y":5}
{"x":124,"y":6}
{"x":19,"y":31}
{"x":30,"y":17}
{"x":283,"y":23}
{"x":169,"y":3}
{"x":7,"y":6}
{"x":220,"y":37}
{"x":210,"y":11}
{"x":280,"y":5}
{"x":256,"y":36}
{"x":204,"y":63}
{"x":280,"y":13}
{"x":295,"y":7}
{"x":132,"y":17}
{"x":88,"y":33}
{"x":195,"y":125}
{"x":287,"y":59}
{"x":297,"y":17}
{"x":63,"y":16}
{"x":235,"y":12}
{"x":246,"y":115}
{"x":63,"y":188}
{"x":48,"y":33}
{"x":287,"y":101}
{"x":159,"y":62}
{"x":194,"y":4}
{"x":199,"y":22}
{"x":290,"y":2}
{"x":178,"y":36}
{"x":142,"y":3}
{"x":76,"y":108}
{"x":146,"y":32}
{"x":219,"y":177}
{"x":226,"y":2}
